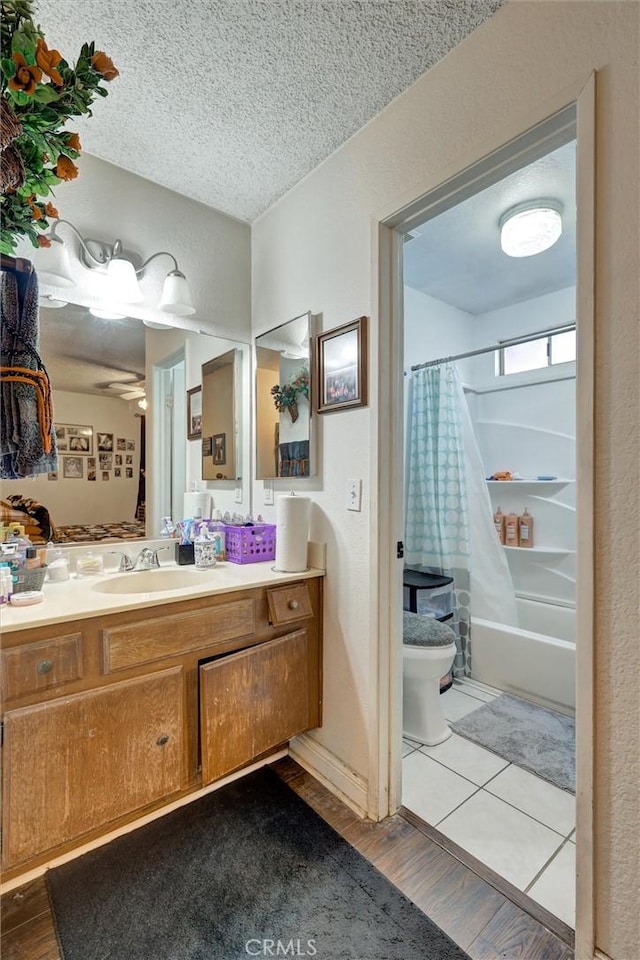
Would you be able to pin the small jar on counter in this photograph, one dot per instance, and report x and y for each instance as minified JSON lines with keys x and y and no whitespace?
{"x":89,"y":565}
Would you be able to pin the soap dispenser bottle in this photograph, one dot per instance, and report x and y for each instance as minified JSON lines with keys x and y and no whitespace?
{"x":204,"y":548}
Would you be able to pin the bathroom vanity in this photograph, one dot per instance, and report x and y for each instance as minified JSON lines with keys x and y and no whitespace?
{"x":140,"y":699}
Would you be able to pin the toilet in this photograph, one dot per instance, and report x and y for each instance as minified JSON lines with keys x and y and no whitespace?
{"x":428,"y":651}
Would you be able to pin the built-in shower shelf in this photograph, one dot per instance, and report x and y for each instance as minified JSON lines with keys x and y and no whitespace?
{"x":552,"y":551}
{"x":560,"y":482}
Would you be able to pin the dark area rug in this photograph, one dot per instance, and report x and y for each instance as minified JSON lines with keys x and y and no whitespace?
{"x":249,"y":870}
{"x":540,"y":740}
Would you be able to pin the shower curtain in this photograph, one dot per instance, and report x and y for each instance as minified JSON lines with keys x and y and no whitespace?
{"x":448,"y":516}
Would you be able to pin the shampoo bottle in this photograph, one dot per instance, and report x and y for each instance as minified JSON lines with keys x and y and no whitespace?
{"x":498,"y":522}
{"x":511,"y":530}
{"x":525,"y":529}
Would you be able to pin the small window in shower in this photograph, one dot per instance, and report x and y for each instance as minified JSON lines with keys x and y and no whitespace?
{"x":536,"y":354}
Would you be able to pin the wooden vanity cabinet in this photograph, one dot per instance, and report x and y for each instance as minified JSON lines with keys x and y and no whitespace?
{"x":90,"y":758}
{"x":112,"y":717}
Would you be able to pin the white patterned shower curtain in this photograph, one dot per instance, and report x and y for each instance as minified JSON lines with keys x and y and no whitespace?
{"x":448,"y":516}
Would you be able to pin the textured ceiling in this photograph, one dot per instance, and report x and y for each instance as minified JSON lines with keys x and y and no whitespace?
{"x":457,"y":256}
{"x":232,"y":102}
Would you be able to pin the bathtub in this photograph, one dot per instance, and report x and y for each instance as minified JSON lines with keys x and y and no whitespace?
{"x":535,"y":660}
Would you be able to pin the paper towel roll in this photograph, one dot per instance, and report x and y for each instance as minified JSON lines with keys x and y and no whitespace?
{"x":292,"y":532}
{"x":197,"y":504}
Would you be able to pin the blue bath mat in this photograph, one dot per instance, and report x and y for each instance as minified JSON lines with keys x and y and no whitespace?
{"x":539,"y":740}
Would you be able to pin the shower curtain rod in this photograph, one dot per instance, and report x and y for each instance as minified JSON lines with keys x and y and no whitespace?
{"x":514,"y":341}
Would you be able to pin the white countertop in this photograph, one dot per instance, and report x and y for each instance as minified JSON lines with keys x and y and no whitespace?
{"x":78,"y":599}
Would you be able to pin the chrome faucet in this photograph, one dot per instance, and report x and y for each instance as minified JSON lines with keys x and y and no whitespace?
{"x":147,"y":559}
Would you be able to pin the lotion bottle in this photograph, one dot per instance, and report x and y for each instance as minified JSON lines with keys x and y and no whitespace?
{"x":498,"y":522}
{"x":525,"y":529}
{"x":511,"y":530}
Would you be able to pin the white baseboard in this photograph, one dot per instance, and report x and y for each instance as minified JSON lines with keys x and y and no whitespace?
{"x":344,"y":782}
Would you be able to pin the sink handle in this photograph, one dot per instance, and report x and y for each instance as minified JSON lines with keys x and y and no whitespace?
{"x":126,"y":563}
{"x":154,"y":559}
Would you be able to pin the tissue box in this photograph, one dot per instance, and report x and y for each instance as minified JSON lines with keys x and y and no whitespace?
{"x":250,"y":544}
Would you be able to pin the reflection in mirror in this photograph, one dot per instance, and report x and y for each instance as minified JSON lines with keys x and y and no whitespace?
{"x":104,"y":488}
{"x":283,"y":391}
{"x":219,"y":378}
{"x":176,"y":362}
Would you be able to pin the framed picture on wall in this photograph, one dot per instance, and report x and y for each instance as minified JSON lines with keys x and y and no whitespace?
{"x":72,"y":468}
{"x":341,"y":367}
{"x":219,"y":451}
{"x":105,"y":442}
{"x":75,"y":438}
{"x":194,"y":413}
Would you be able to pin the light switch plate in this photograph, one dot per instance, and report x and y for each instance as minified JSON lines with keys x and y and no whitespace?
{"x":268,"y":493}
{"x":238,"y":495}
{"x":354,"y":495}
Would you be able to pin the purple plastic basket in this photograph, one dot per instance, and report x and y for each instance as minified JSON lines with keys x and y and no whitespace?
{"x":250,"y":544}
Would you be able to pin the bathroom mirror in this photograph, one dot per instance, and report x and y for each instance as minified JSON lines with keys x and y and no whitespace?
{"x":124,"y":458}
{"x":283,"y":391}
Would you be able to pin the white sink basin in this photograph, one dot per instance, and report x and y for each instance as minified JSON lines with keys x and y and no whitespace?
{"x":154,"y":581}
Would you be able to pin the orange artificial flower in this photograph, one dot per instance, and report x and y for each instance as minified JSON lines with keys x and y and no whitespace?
{"x":48,"y":60}
{"x":26,"y":76}
{"x":104,"y":65}
{"x":43,"y":241}
{"x":73,"y":141}
{"x":65,"y":168}
{"x":51,"y":211}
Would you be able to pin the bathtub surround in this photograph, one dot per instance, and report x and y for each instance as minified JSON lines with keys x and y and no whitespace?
{"x":246,"y":863}
{"x":530,"y":736}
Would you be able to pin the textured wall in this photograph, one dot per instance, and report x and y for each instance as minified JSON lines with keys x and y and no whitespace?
{"x":312,"y":251}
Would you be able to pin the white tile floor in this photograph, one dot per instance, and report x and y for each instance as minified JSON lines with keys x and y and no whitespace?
{"x":516,"y":823}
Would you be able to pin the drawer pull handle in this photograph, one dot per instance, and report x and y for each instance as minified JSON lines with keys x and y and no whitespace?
{"x":44,"y":667}
{"x":293,"y":604}
{"x":162,"y":739}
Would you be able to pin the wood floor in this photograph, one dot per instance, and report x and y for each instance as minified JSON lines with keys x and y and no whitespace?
{"x":479,"y":918}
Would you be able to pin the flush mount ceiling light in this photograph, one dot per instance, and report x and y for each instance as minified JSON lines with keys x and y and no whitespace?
{"x":121,"y":267}
{"x":530,"y":228}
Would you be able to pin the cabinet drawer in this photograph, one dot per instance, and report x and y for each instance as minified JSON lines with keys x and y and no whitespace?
{"x":290,"y":603}
{"x":41,"y":666}
{"x":171,"y":636}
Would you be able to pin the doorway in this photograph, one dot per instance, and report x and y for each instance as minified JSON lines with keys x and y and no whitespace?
{"x":540,"y":141}
{"x":169,"y":440}
{"x":490,"y":527}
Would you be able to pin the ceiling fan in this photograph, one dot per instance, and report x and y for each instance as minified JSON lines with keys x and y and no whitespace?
{"x":131,"y":390}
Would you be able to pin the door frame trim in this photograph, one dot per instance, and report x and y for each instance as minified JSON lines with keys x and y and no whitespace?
{"x":387,"y":227}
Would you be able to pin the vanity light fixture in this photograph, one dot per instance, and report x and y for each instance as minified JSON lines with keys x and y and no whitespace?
{"x":122,"y":270}
{"x":106,"y":314}
{"x":530,"y":228}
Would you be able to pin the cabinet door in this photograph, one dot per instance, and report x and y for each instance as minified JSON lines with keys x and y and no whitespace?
{"x":253,"y":700}
{"x":76,"y":763}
